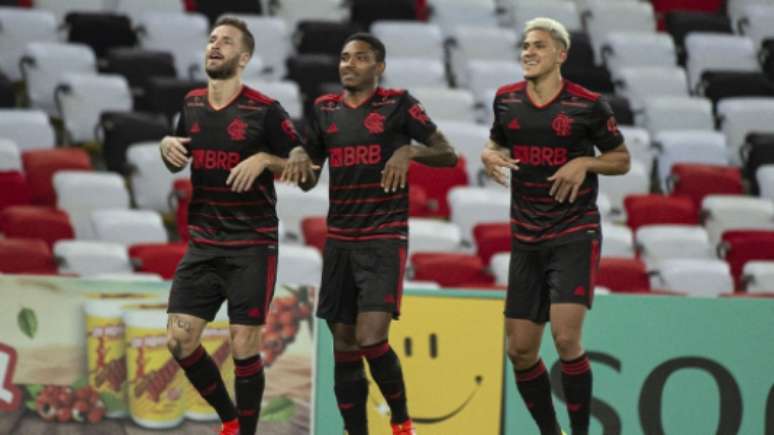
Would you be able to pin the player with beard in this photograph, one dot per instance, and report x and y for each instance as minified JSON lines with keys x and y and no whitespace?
{"x":544,"y":132}
{"x":365,"y":133}
{"x":235,"y":138}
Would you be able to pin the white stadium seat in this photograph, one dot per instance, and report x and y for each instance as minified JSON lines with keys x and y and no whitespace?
{"x":150,"y":179}
{"x":662,"y":242}
{"x":618,"y":241}
{"x":88,"y":258}
{"x":605,"y":17}
{"x":695,"y":276}
{"x":272,"y":42}
{"x":410,"y":39}
{"x":636,"y":181}
{"x":432,"y":235}
{"x":765,"y":177}
{"x":19,"y":27}
{"x":741,"y":116}
{"x":129,"y":227}
{"x":293,"y":205}
{"x":80,"y":192}
{"x":468,"y":139}
{"x":638,"y":49}
{"x":474,"y":205}
{"x":758,"y":276}
{"x":183,"y":35}
{"x":678,"y":113}
{"x":566,"y":12}
{"x":84,"y":97}
{"x":638,"y":83}
{"x":299,"y":265}
{"x":28,"y":129}
{"x":689,"y":146}
{"x":411,"y":72}
{"x":10,"y":156}
{"x":718,"y":51}
{"x":725,"y":212}
{"x":444,"y":104}
{"x":285,"y":91}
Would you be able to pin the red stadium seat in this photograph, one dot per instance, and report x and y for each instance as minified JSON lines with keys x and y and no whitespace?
{"x":26,"y":256}
{"x":160,"y":258}
{"x":659,"y":209}
{"x":314,"y":230}
{"x":418,"y":202}
{"x":15,"y":190}
{"x":697,"y":181}
{"x":183,"y":191}
{"x":492,"y":238}
{"x":450,"y":269}
{"x":36,"y":222}
{"x":623,"y":275}
{"x":661,"y":7}
{"x":740,"y":246}
{"x":437,"y":182}
{"x":40,"y":166}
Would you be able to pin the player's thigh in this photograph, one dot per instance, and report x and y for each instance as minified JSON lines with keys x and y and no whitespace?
{"x":527,"y":296}
{"x":372,"y":327}
{"x":250,"y":282}
{"x":344,"y":339}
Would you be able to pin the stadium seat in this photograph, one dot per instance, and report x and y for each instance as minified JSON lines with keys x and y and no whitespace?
{"x":28,"y":129}
{"x":19,"y":28}
{"x":213,"y":9}
{"x":183,"y":35}
{"x":136,"y":9}
{"x":411,"y":72}
{"x":300,"y":265}
{"x":182,"y":192}
{"x":736,"y":10}
{"x":725,"y":212}
{"x":104,"y":191}
{"x":433,"y":235}
{"x":15,"y":189}
{"x":293,"y":205}
{"x":566,"y":12}
{"x":596,"y":78}
{"x":150,"y":180}
{"x":35,"y":222}
{"x":638,"y":49}
{"x":719,"y":85}
{"x":26,"y":256}
{"x":82,"y":98}
{"x":765,"y":180}
{"x":437,"y":182}
{"x":294,"y":11}
{"x":45,"y":63}
{"x":755,"y":23}
{"x":758,"y":276}
{"x":621,"y":109}
{"x":166,"y":94}
{"x":678,"y":113}
{"x":410,"y":39}
{"x":636,"y":181}
{"x":742,"y":246}
{"x":314,"y":230}
{"x":661,"y":7}
{"x":604,"y":206}
{"x":322,"y":36}
{"x":468,"y":140}
{"x":272,"y":42}
{"x":659,"y":209}
{"x":41,"y":165}
{"x":445,"y":104}
{"x":491,"y":238}
{"x":454,"y":13}
{"x":705,"y":277}
{"x":603,"y":17}
{"x":7,"y":92}
{"x":656,"y":243}
{"x":618,"y":241}
{"x":500,"y":267}
{"x":581,"y":55}
{"x":450,"y":269}
{"x":473,"y":205}
{"x":420,"y":285}
{"x":87,"y":258}
{"x":689,"y":146}
{"x":366,"y":12}
{"x":638,"y":83}
{"x":680,"y":23}
{"x":480,"y":43}
{"x":138,"y":65}
{"x":128,"y":227}
{"x":119,"y":130}
{"x":312,"y":72}
{"x":10,"y":156}
{"x":418,"y":206}
{"x":698,"y":181}
{"x":100,"y":30}
{"x":741,"y":116}
{"x":61,"y":9}
{"x":623,"y":275}
{"x":638,"y":143}
{"x":157,"y":258}
{"x":712,"y":51}
{"x":127,"y":277}
{"x":488,"y":75}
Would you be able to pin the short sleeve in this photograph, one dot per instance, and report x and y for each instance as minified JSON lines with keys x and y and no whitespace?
{"x":496,"y":133}
{"x":315,"y":145}
{"x":281,"y":132}
{"x":604,"y":128}
{"x":417,"y":123}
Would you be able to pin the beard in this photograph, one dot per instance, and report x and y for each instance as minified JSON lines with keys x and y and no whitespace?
{"x":225,"y":71}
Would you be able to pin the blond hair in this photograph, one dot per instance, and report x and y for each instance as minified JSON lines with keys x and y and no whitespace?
{"x":555,"y":28}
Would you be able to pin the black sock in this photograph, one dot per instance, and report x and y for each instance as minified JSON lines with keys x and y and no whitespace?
{"x":351,"y":388}
{"x":576,"y":380}
{"x":249,"y":384}
{"x":535,"y":389}
{"x":386,"y":371}
{"x":204,"y":375}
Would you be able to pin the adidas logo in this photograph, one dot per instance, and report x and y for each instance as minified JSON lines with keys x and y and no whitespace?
{"x":514,"y":124}
{"x":332,"y":129}
{"x":195,"y":128}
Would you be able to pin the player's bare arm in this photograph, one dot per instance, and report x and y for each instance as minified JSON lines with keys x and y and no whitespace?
{"x":242,"y":176}
{"x":300,"y":169}
{"x":495,"y":157}
{"x":569,"y":178}
{"x":437,"y":153}
{"x":173,"y":152}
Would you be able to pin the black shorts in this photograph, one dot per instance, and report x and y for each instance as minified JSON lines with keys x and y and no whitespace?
{"x":203,"y":281}
{"x":540,"y":277}
{"x":359,"y":277}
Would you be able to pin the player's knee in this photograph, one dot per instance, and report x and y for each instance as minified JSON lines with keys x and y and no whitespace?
{"x":567,"y":344}
{"x":180,"y":343}
{"x":365,"y":339}
{"x":522,"y":355}
{"x":245,"y":342}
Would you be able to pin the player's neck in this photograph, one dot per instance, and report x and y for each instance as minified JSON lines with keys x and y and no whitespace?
{"x":222,"y":92}
{"x":356,"y":97}
{"x":544,"y":89}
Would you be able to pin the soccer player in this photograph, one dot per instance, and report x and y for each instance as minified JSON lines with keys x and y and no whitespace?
{"x":234,"y":137}
{"x":544,"y":132}
{"x":365,"y":133}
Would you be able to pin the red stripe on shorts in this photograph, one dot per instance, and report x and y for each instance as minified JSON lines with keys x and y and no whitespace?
{"x":271,"y":279}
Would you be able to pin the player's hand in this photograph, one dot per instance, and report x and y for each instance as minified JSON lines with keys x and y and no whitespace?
{"x":299,"y":167}
{"x":568,"y":179}
{"x":242,"y":176}
{"x":173,"y":150}
{"x":494,"y":161}
{"x":396,"y":169}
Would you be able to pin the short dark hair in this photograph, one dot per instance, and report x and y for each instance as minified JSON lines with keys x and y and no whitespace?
{"x":376,"y":45}
{"x":247,"y":37}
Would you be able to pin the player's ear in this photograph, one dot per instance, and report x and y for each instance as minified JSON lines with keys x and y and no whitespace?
{"x":244,"y":59}
{"x":380,"y":68}
{"x":562,"y":54}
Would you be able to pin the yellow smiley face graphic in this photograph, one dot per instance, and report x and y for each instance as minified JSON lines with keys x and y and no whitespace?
{"x":451,"y":351}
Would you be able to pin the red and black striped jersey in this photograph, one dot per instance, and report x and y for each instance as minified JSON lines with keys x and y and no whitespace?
{"x":543,"y":138}
{"x":252,"y":122}
{"x":358,"y":141}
